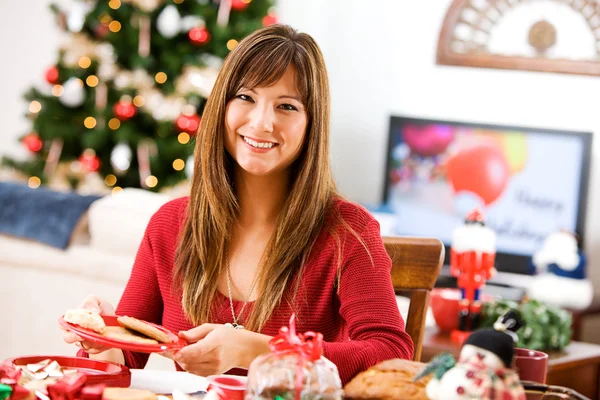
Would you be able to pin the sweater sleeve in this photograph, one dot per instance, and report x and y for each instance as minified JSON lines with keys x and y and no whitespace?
{"x":368,"y":306}
{"x":142,"y":296}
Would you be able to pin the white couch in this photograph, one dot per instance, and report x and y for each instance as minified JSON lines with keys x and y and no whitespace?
{"x":40,"y":282}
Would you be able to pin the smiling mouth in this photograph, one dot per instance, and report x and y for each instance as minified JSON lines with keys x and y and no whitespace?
{"x":258,"y":145}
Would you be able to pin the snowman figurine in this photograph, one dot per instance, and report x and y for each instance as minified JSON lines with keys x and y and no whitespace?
{"x":561,"y":279}
{"x":483,"y":368}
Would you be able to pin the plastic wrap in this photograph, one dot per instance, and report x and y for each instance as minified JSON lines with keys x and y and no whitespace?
{"x":295,"y":369}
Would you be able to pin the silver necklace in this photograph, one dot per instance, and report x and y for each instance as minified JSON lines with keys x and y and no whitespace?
{"x":236,"y":319}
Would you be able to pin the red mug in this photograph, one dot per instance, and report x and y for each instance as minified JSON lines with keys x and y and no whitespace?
{"x":234,"y":387}
{"x":531,"y":365}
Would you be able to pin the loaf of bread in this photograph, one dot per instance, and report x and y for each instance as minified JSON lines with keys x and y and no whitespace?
{"x":389,"y":380}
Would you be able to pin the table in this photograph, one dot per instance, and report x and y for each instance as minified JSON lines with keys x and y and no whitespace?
{"x":580,"y":315}
{"x":165,"y":382}
{"x":577,"y":367}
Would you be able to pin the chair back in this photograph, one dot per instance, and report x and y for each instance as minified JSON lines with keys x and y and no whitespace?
{"x":416,"y":264}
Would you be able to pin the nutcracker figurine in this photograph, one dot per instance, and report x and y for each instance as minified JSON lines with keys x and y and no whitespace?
{"x":472,"y":256}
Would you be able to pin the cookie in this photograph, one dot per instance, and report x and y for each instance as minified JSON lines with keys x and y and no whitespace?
{"x":140,"y":326}
{"x":117,"y":393}
{"x":86,"y":319}
{"x":126,"y":335}
{"x":391,"y":379}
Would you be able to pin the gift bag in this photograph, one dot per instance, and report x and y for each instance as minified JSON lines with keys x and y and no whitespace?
{"x":295,"y":369}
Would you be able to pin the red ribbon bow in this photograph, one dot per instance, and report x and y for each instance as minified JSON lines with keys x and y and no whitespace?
{"x":308,"y":347}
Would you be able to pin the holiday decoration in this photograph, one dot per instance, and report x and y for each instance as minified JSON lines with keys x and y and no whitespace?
{"x":124,"y":83}
{"x":120,"y":158}
{"x":269,"y":20}
{"x":52,"y":75}
{"x":483,"y":369}
{"x":33,"y":142}
{"x":73,"y":94}
{"x":188,"y":122}
{"x":189,"y":167}
{"x":124,"y":109}
{"x":76,"y":17}
{"x":561,"y":276}
{"x":239,"y":5}
{"x":89,"y":161}
{"x":548,"y":328}
{"x":199,"y":36}
{"x":472,"y":255}
{"x":169,"y":22}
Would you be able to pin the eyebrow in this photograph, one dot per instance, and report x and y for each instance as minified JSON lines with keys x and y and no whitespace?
{"x":284,"y":96}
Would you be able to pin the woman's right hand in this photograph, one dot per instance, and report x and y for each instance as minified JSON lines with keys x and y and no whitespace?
{"x":97,"y":305}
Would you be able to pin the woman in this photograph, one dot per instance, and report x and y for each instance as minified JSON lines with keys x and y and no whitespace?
{"x":264,"y":233}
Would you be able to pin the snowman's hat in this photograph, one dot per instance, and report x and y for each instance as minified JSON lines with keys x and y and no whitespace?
{"x":500,"y":340}
{"x":475,"y":217}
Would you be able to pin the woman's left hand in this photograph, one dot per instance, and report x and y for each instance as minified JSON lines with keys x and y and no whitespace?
{"x":215,"y":349}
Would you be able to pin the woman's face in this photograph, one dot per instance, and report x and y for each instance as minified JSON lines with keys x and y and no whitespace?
{"x":265,"y":126}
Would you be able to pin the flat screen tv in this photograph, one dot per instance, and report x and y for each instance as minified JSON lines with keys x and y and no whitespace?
{"x":528,"y":182}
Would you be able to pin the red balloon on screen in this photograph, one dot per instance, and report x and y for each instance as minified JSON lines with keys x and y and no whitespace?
{"x":427,"y":140}
{"x":482,"y":170}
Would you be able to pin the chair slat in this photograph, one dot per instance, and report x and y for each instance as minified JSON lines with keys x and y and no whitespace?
{"x":416,"y":264}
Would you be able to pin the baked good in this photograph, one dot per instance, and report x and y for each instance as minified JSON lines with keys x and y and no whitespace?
{"x":389,"y":380}
{"x":126,"y":335}
{"x":118,"y":393}
{"x":143,"y":327}
{"x":86,"y":319}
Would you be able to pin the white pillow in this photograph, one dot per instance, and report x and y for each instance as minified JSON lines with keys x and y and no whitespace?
{"x":117,"y":222}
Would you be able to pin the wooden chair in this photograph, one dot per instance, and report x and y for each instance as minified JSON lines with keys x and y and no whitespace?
{"x":416,"y":264}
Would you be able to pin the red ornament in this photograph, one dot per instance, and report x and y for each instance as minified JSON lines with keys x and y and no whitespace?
{"x":239,"y":5}
{"x":88,"y":160}
{"x":101,"y":30}
{"x":33,"y":142}
{"x":52,"y":75}
{"x":199,"y":36}
{"x":124,"y":109}
{"x":188,"y":123}
{"x":269,"y":19}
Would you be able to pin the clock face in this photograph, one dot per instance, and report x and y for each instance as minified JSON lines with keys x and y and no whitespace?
{"x":541,"y":35}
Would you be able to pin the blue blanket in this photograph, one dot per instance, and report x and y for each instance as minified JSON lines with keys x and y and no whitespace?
{"x":41,"y":214}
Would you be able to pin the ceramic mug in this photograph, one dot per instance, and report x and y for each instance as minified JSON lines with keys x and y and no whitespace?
{"x":531,"y":365}
{"x":234,"y":387}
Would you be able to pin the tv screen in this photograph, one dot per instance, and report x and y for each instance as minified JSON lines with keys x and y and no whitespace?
{"x":527,"y":182}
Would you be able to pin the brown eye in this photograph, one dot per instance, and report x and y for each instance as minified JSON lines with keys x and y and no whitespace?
{"x":244,"y":97}
{"x":288,"y":107}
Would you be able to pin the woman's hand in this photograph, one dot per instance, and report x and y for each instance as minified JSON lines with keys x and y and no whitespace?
{"x":97,"y":305}
{"x":215,"y":349}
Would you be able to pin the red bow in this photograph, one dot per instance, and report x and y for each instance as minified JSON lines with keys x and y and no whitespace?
{"x":308,"y":346}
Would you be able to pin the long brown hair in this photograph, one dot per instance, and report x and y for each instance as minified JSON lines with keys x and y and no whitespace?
{"x":259,"y":60}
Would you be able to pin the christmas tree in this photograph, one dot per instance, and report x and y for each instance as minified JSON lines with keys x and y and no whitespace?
{"x":126,"y":95}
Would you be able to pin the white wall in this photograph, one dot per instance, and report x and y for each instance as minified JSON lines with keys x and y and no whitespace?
{"x":381,"y":60}
{"x":29,"y":39}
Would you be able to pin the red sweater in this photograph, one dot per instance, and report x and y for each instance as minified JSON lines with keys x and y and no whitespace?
{"x":360,"y":323}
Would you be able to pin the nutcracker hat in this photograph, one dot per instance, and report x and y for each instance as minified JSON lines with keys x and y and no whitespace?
{"x":500,"y":340}
{"x":475,"y":217}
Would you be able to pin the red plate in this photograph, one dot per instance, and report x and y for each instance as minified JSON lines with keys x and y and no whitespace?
{"x":110,"y":374}
{"x":95,"y":337}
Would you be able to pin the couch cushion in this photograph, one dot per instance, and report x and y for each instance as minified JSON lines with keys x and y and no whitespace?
{"x":77,"y":259}
{"x":117,"y":223}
